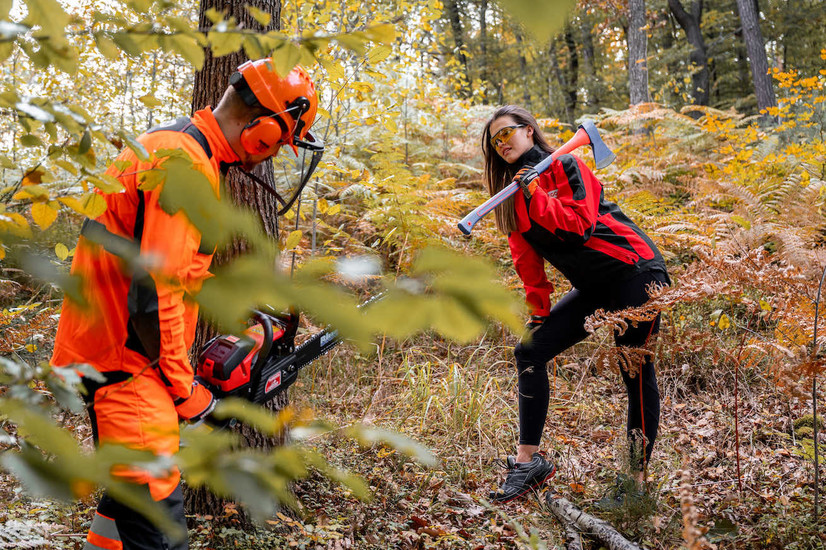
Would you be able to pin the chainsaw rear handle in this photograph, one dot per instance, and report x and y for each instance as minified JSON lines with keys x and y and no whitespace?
{"x":263,"y":354}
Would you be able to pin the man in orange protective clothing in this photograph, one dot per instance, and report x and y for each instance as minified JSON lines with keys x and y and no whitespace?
{"x":137,"y":328}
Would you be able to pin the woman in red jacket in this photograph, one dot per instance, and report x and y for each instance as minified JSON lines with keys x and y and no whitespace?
{"x":562,"y":217}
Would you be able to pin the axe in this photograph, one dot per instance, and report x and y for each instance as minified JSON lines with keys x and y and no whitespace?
{"x":587,"y":134}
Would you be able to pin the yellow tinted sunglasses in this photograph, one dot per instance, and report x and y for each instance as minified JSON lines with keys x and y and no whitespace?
{"x":504,"y":135}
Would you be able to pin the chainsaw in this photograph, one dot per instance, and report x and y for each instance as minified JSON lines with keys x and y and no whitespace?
{"x":264,"y":361}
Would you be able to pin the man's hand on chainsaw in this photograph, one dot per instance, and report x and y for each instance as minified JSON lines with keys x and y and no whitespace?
{"x":198,"y":405}
{"x":528,"y":180}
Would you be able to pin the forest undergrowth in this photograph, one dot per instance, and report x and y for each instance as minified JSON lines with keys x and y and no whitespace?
{"x":737,"y":211}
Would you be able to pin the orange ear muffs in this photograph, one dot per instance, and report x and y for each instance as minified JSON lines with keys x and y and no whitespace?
{"x":262,"y":134}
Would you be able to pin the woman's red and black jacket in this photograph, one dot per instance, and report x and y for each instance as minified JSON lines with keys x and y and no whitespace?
{"x":568,"y":222}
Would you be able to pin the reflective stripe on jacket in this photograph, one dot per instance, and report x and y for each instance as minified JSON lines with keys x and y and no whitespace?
{"x":568,"y":222}
{"x":110,"y":333}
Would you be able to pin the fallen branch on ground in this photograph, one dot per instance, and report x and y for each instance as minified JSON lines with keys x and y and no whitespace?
{"x":574,"y":518}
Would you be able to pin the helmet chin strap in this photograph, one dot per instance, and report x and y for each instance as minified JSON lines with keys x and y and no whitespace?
{"x":311,"y":146}
{"x":266,"y":186}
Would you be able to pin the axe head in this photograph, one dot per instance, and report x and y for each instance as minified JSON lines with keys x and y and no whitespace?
{"x":603,"y":156}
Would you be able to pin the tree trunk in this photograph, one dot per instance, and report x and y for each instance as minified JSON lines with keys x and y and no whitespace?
{"x":690,"y":22}
{"x":561,"y":82}
{"x":523,"y":68}
{"x":454,"y":18}
{"x":483,"y":46}
{"x":589,"y":62}
{"x":756,"y":50}
{"x":637,"y":53}
{"x":572,"y":75}
{"x":210,"y":83}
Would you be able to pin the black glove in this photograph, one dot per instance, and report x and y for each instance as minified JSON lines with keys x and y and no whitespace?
{"x":535,"y":321}
{"x":527,"y":180}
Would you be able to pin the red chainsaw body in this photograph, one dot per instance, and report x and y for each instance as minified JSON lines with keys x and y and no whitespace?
{"x":227,"y":362}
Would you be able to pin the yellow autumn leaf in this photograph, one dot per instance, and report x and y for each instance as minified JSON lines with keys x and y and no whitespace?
{"x":32,"y":192}
{"x":150,"y":100}
{"x":43,"y":214}
{"x":334,"y":69}
{"x":383,"y":33}
{"x":259,"y":15}
{"x":379,"y":54}
{"x":724,"y":322}
{"x":93,"y":205}
{"x":31,"y":348}
{"x":2,"y":252}
{"x":61,"y":251}
{"x":293,"y":239}
{"x":73,"y":203}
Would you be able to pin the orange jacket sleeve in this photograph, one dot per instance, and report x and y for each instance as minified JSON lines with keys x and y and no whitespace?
{"x":173,"y":241}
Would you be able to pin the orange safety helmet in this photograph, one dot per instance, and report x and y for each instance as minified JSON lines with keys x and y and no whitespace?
{"x":292,"y":100}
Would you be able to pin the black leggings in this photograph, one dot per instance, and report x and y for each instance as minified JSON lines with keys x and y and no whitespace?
{"x":563,"y":329}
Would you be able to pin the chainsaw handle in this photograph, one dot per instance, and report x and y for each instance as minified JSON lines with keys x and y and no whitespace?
{"x":266,"y":323}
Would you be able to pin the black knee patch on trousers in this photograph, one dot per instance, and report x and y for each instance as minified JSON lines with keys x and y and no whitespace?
{"x":138,"y":533}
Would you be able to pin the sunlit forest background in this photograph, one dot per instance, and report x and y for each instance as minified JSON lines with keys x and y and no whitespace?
{"x":715,"y":111}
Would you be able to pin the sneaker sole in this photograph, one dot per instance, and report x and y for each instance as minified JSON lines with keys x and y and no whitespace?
{"x":530,"y":488}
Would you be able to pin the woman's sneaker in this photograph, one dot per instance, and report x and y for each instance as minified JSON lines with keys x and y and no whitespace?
{"x":523,"y":477}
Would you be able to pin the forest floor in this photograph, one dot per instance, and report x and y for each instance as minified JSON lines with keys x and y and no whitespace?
{"x":459,"y":402}
{"x":739,"y":464}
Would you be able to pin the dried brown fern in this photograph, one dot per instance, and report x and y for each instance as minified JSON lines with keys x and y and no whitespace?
{"x":693,"y":536}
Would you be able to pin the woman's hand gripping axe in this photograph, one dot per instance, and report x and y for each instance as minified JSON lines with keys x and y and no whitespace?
{"x":587,"y":134}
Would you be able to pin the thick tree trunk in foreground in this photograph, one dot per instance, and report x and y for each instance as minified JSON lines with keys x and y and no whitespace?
{"x":756,"y":50}
{"x":637,"y":53}
{"x":210,"y":83}
{"x":571,"y":516}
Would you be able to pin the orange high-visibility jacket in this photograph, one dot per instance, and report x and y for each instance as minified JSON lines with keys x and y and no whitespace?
{"x":136,"y":321}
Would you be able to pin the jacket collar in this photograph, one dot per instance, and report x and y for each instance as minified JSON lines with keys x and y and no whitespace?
{"x":531,"y":157}
{"x":222,"y":152}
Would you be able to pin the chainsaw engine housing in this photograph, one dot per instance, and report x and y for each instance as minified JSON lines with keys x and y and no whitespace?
{"x":229,"y":363}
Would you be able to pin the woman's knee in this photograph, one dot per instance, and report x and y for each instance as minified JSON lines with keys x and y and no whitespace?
{"x":527,"y":354}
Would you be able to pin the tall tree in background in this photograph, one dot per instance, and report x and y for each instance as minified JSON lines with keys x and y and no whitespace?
{"x":690,"y":23}
{"x":567,"y":75}
{"x":586,"y":29}
{"x":455,"y":21}
{"x":209,"y":86}
{"x":756,"y":49}
{"x":637,"y":53}
{"x":483,"y":46}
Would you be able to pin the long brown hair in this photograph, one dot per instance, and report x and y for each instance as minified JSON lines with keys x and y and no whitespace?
{"x":498,"y":173}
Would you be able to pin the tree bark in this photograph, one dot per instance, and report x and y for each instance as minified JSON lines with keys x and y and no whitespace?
{"x":569,"y":515}
{"x":756,"y":50}
{"x":209,"y":86}
{"x":637,"y":53}
{"x":572,"y":75}
{"x":690,"y":22}
{"x":561,"y":82}
{"x":523,"y":68}
{"x":454,"y":18}
{"x":483,"y":45}
{"x":589,"y":64}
